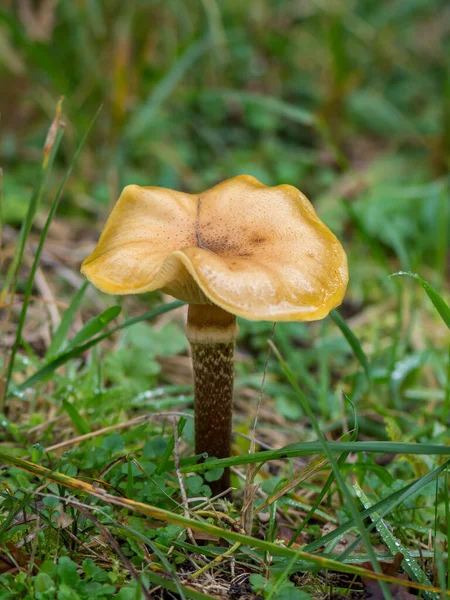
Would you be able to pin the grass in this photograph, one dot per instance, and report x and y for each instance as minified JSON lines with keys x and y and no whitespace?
{"x":349,"y":102}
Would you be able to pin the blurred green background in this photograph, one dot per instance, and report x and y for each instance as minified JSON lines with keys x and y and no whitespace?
{"x":347,"y":100}
{"x":302,"y":92}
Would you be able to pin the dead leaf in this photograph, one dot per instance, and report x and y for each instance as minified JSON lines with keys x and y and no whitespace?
{"x":373,"y":588}
{"x":398,"y":592}
{"x":13,"y":558}
{"x":63,"y":520}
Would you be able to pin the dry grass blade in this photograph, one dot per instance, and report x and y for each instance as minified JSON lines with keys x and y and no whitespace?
{"x":125,"y":425}
{"x":219,"y":559}
{"x":171,"y":517}
{"x":11,"y":279}
{"x":300,"y":475}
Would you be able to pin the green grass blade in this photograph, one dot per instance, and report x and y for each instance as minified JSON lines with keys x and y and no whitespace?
{"x":11,"y":278}
{"x":143,"y":117}
{"x":94,"y":326}
{"x":341,"y":461}
{"x":394,"y":544}
{"x":441,"y":570}
{"x":336,"y":471}
{"x":417,"y":485}
{"x":438,"y":301}
{"x":352,"y":341}
{"x":52,"y":143}
{"x":383,"y":507}
{"x":79,"y":423}
{"x":50,"y":367}
{"x":160,"y":514}
{"x":270,"y":103}
{"x":38,"y":252}
{"x":310,"y":448}
{"x":61,"y":333}
{"x":169,"y":584}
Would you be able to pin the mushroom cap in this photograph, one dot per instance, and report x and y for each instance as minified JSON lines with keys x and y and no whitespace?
{"x":258,"y":252}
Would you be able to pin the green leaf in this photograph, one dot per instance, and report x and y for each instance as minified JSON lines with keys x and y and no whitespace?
{"x":258,"y":582}
{"x":66,"y":592}
{"x":155,"y":447}
{"x":193,"y":484}
{"x":113,"y":443}
{"x":131,"y":368}
{"x":43,"y":583}
{"x":50,"y":501}
{"x":49,"y":567}
{"x":166,"y":535}
{"x":438,"y":302}
{"x":213,"y":474}
{"x":167,"y":341}
{"x":127,"y":593}
{"x":67,"y":571}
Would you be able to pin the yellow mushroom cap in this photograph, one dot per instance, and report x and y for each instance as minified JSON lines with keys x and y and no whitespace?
{"x":258,"y":252}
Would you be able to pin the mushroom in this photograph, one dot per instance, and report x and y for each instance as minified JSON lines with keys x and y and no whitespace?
{"x":238,"y":249}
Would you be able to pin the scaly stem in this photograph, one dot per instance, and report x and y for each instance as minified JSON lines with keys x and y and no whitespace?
{"x":211,"y":332}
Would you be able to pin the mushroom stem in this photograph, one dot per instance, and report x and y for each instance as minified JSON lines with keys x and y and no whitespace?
{"x":212,"y":331}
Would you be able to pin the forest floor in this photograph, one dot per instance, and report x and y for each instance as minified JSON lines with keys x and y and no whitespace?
{"x":346,"y":493}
